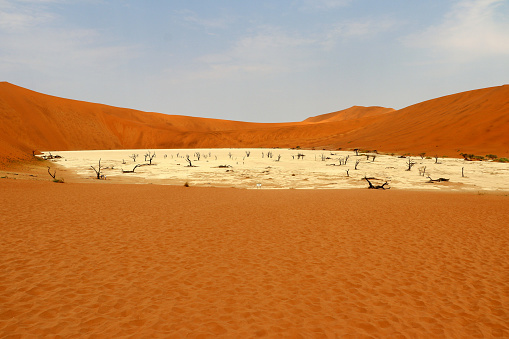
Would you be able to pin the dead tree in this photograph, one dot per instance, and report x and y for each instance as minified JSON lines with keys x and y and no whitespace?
{"x":422,"y":155}
{"x":132,"y":171}
{"x":189,"y":161}
{"x":356,"y":163}
{"x":356,"y":150}
{"x":410,"y":164}
{"x":422,"y":170}
{"x":371,"y":186}
{"x":150,"y":156}
{"x":197,"y":155}
{"x":347,"y":174}
{"x":436,"y":159}
{"x":98,"y":170}
{"x":278,"y":157}
{"x":248,"y":153}
{"x":134,"y":156}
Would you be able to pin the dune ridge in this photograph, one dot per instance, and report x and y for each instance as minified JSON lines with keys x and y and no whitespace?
{"x":470,"y":122}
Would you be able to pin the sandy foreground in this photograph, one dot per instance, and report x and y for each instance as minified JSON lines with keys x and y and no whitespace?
{"x":123,"y":260}
{"x":286,"y":168}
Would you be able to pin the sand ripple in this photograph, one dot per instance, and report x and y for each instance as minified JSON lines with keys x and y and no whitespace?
{"x":152,"y":261}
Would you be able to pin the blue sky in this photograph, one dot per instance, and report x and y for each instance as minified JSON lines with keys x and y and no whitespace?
{"x":261,"y":61}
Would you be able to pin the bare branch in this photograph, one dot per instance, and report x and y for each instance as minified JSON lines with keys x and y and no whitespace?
{"x":52,"y":175}
{"x":132,"y":169}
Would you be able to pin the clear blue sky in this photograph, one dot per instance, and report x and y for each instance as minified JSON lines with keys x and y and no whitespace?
{"x":262,"y":61}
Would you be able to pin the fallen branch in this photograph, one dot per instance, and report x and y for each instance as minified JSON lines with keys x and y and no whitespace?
{"x":437,"y":180}
{"x":52,"y":175}
{"x":132,"y":171}
{"x":371,"y":186}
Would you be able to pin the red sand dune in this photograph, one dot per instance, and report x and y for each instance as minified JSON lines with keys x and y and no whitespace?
{"x":471,"y":122}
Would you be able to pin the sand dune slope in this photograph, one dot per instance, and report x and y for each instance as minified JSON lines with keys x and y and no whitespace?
{"x":154,"y":261}
{"x":470,"y":122}
{"x":355,"y":112}
{"x":34,"y":121}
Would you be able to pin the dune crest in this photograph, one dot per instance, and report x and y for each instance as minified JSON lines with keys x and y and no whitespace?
{"x":354,"y":112}
{"x":470,"y":122}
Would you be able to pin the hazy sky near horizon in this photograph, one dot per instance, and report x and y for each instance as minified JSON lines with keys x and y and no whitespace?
{"x":261,"y":61}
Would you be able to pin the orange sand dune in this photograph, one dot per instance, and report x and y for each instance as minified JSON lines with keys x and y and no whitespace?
{"x":469,"y":122}
{"x":34,"y":121}
{"x":106,"y":260}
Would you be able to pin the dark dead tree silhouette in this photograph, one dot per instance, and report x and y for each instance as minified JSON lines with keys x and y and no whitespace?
{"x":98,"y":170}
{"x":410,"y":164}
{"x":371,"y":186}
{"x":54,"y":173}
{"x":131,"y":171}
{"x":150,"y":156}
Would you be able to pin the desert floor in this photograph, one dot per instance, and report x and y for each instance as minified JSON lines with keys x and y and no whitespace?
{"x":284,"y":168}
{"x":124,"y":260}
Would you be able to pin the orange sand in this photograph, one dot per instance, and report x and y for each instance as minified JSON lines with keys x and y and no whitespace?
{"x":156,"y":261}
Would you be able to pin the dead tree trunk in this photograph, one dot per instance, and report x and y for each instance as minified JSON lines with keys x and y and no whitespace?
{"x":98,"y":170}
{"x":133,"y":156}
{"x":410,"y":164}
{"x":357,"y":163}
